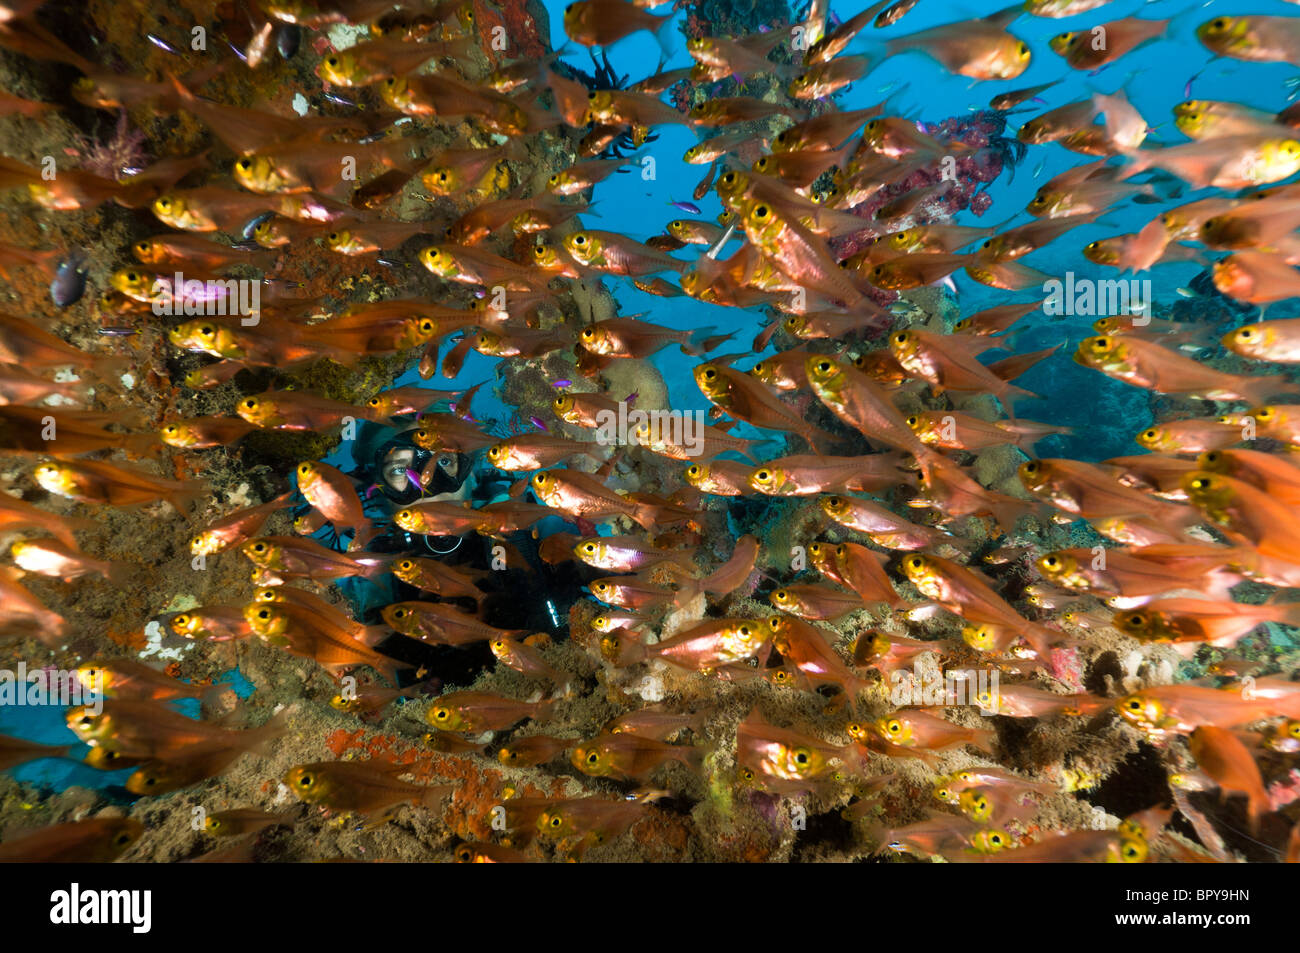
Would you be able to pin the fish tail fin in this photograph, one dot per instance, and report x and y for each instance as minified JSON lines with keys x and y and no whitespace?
{"x":1258,"y":391}
{"x":186,"y":494}
{"x":702,"y":341}
{"x":691,"y":756}
{"x":362,"y":534}
{"x":372,"y":635}
{"x":120,"y":574}
{"x":141,"y":444}
{"x":645,"y":515}
{"x":374,"y":566}
{"x":663,"y":36}
{"x":433,"y":796}
{"x":259,"y":738}
{"x":388,"y":667}
{"x":983,"y":738}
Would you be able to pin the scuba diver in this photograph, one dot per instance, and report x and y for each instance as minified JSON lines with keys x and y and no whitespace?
{"x":391,"y":472}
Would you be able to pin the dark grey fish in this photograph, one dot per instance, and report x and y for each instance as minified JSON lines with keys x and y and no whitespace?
{"x":287,"y":38}
{"x":69,"y":282}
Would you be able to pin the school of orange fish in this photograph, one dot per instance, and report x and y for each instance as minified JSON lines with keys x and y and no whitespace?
{"x":893,"y":531}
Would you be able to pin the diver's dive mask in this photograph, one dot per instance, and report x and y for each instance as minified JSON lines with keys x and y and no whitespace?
{"x":399,"y":462}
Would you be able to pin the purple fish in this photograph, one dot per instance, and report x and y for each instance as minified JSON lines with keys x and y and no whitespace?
{"x":414,"y":477}
{"x":538,"y":424}
{"x":689,"y":207}
{"x":563,"y":382}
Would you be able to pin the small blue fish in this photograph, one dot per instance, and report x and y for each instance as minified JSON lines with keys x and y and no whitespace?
{"x":563,"y":382}
{"x":689,"y":207}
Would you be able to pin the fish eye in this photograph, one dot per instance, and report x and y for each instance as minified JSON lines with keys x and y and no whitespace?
{"x":331,"y":61}
{"x":1133,"y":704}
{"x":259,"y":547}
{"x":710,"y":374}
{"x":1219,"y":24}
{"x":693,"y":470}
{"x":245,"y":164}
{"x":1022,"y":50}
{"x":916,"y":562}
{"x":763,"y":476}
{"x":250,"y":404}
{"x":593,"y":758}
{"x":744,"y":630}
{"x":556,"y":821}
{"x":579,"y":239}
{"x":306,"y":780}
{"x":1149,"y":434}
{"x":304,"y":469}
{"x":441,"y":714}
{"x":894,"y":726}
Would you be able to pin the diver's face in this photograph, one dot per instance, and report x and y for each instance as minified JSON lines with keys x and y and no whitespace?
{"x":396,"y":463}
